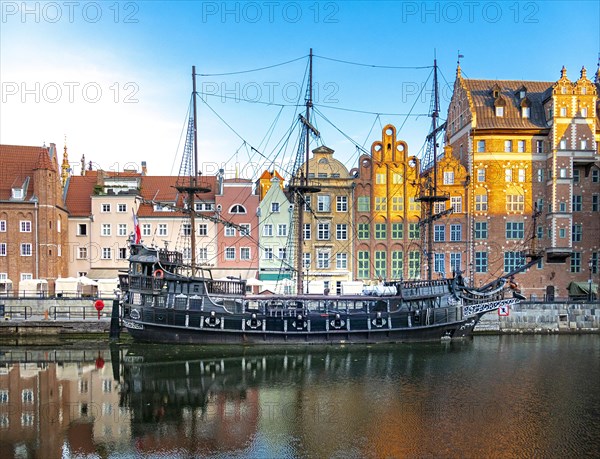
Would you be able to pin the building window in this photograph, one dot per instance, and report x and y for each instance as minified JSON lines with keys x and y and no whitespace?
{"x":82,"y":253}
{"x":563,"y":111}
{"x":364,"y":204}
{"x":481,"y":262}
{"x":456,"y":204}
{"x":481,"y":146}
{"x":25,"y":250}
{"x":539,"y":146}
{"x":122,"y":253}
{"x":397,"y":203}
{"x":282,"y":253}
{"x":562,"y":207}
{"x":380,"y":179}
{"x":2,"y":249}
{"x":202,"y":254}
{"x":481,"y":175}
{"x":577,"y":199}
{"x":363,"y":231}
{"x":526,"y":112}
{"x":105,"y":208}
{"x":274,"y":207}
{"x":397,"y":231}
{"x":521,"y":146}
{"x":341,"y":204}
{"x":584,"y":112}
{"x":414,"y":231}
{"x":323,"y":231}
{"x":162,"y":229}
{"x":481,"y":230}
{"x":595,"y":175}
{"x":307,"y":231}
{"x":322,"y":259}
{"x":583,"y":145}
{"x":515,"y":230}
{"x":146,"y":229}
{"x":363,"y":265}
{"x":576,"y":262}
{"x":245,"y":229}
{"x":456,"y":232}
{"x":439,"y":233}
{"x":562,"y":233}
{"x":229,"y":253}
{"x":202,"y":229}
{"x":2,"y":226}
{"x":413,"y":204}
{"x":397,"y":178}
{"x":282,"y":230}
{"x":380,"y":230}
{"x":563,"y":144}
{"x":380,"y":204}
{"x":268,"y":253}
{"x":122,"y":229}
{"x":306,"y":260}
{"x":106,"y":253}
{"x":481,"y":202}
{"x":25,"y":226}
{"x":521,"y":175}
{"x":577,"y":232}
{"x":341,"y":261}
{"x":515,"y":203}
{"x":508,"y":175}
{"x":508,"y":148}
{"x":596,"y":203}
{"x":439,"y":263}
{"x":380,"y":264}
{"x":237,"y":209}
{"x":500,"y":111}
{"x":323,"y":203}
{"x":455,"y":262}
{"x":307,"y":205}
{"x":439,"y":207}
{"x":513,"y":260}
{"x":229,"y":231}
{"x":121,"y":208}
{"x":341,"y":232}
{"x":397,"y":264}
{"x":106,"y":229}
{"x":414,"y":265}
{"x":448,"y":177}
{"x":268,"y":230}
{"x":576,"y":175}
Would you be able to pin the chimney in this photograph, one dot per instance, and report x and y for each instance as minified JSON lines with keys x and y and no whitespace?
{"x":144,"y":168}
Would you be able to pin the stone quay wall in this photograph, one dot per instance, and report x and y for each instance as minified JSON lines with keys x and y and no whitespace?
{"x":534,"y":317}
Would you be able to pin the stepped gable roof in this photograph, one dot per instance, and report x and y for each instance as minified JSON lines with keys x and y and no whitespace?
{"x":481,"y":93}
{"x":161,"y":188}
{"x":17,"y":163}
{"x":80,"y":188}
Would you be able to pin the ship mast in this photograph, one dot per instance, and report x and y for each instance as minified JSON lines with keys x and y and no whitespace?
{"x":431,"y":196}
{"x":189,"y":190}
{"x":299,"y":185}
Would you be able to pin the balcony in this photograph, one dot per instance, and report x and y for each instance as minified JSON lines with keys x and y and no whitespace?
{"x":558,"y":254}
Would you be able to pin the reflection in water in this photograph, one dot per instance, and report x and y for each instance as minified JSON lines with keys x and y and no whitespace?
{"x":493,"y":396}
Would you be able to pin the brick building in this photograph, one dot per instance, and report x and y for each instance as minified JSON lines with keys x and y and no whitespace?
{"x":33,"y":216}
{"x":530,"y":145}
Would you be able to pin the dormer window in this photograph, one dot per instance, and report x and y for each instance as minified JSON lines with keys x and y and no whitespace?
{"x":584,"y":112}
{"x":522,"y":94}
{"x":17,"y":193}
{"x":525,"y":112}
{"x":499,"y":111}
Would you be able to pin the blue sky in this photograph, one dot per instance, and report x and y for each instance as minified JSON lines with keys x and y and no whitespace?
{"x":114,"y":77}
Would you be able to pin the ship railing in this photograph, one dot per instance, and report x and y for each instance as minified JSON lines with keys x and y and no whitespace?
{"x":124,"y":282}
{"x":425,"y":287}
{"x":225,"y":287}
{"x":170,"y":257}
{"x":145,"y":283}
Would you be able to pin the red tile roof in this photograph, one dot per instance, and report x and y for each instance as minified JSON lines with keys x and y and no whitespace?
{"x":17,"y":163}
{"x":80,"y":188}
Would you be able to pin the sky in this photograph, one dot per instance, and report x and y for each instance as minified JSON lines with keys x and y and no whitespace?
{"x":114,"y":80}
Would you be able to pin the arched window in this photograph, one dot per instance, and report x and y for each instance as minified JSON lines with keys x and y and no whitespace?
{"x":237,"y":209}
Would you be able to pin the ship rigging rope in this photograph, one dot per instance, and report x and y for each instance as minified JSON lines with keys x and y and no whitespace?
{"x":395,"y":67}
{"x":239,"y":72}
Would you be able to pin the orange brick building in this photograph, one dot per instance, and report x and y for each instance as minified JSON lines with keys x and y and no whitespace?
{"x":33,"y":217}
{"x":530,"y":145}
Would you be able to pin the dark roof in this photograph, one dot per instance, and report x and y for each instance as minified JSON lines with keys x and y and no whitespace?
{"x":481,"y":93}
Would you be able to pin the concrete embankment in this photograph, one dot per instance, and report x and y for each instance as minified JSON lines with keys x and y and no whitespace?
{"x":542,"y":318}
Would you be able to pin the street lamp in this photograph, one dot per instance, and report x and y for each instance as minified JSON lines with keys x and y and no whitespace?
{"x":590,"y":264}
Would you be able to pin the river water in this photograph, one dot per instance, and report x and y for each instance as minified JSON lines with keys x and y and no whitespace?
{"x":494,"y":396}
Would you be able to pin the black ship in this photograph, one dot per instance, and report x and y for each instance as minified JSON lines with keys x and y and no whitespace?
{"x":164,"y":301}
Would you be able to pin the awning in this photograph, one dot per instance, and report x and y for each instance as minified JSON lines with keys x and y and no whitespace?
{"x":274,"y":276}
{"x":102,"y":273}
{"x":581,"y":288}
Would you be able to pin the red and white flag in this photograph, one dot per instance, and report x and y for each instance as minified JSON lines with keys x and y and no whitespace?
{"x":136,"y":228}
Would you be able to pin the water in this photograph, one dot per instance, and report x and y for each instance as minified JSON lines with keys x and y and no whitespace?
{"x":511,"y":396}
